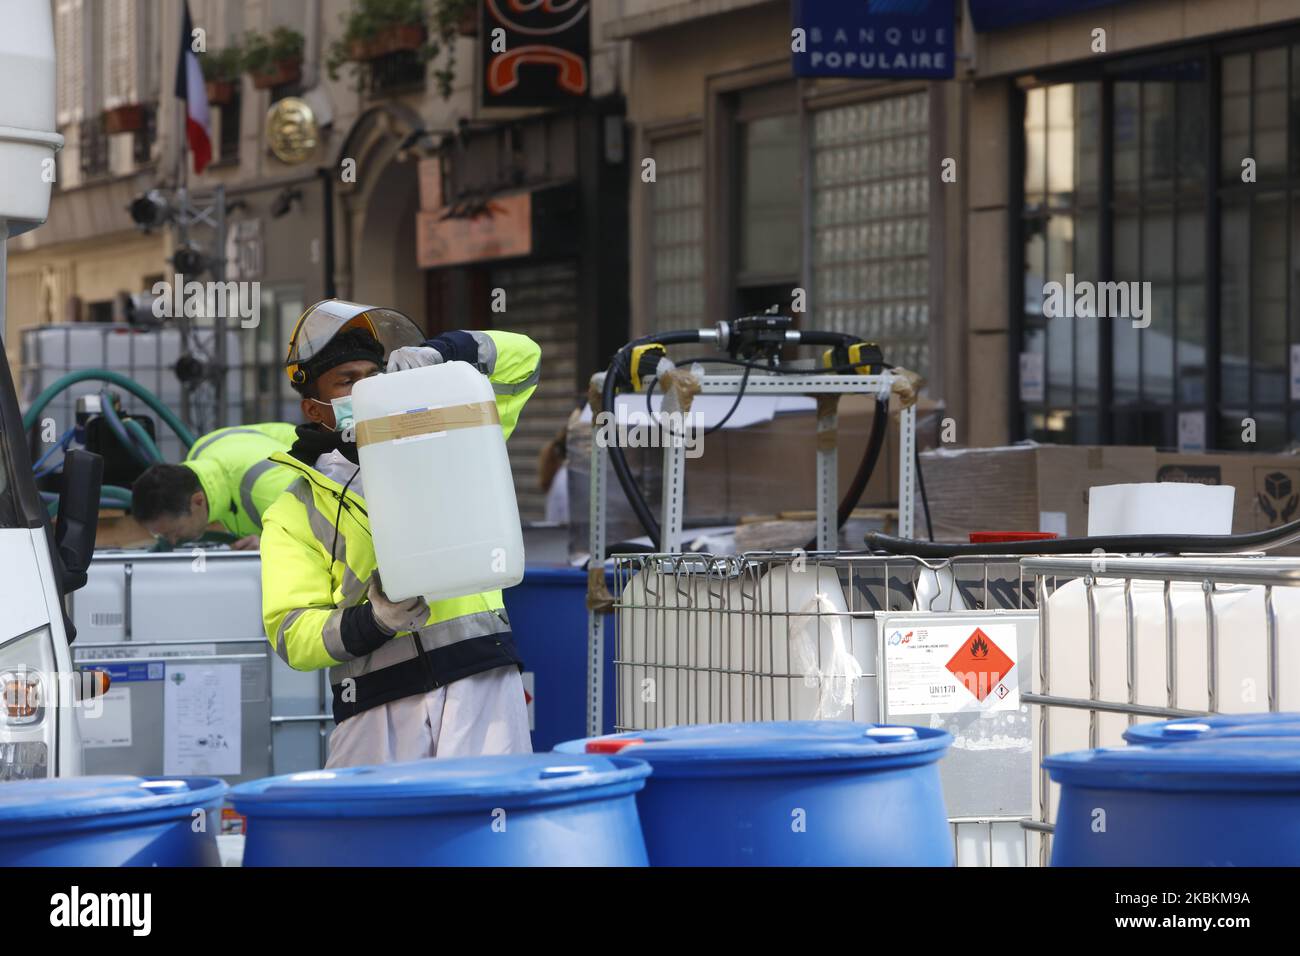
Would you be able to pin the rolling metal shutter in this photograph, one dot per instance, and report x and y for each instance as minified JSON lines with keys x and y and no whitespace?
{"x":542,"y":303}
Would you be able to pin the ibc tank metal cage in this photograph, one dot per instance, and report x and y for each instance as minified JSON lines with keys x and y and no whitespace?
{"x":1155,"y":639}
{"x":148,"y":356}
{"x":673,"y":611}
{"x":769,"y":636}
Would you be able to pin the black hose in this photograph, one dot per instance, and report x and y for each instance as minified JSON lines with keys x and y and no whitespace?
{"x":1109,"y":543}
{"x":124,"y":438}
{"x":740,"y":393}
{"x":920,"y":484}
{"x":866,"y":467}
{"x":616,"y":457}
{"x":623,"y":473}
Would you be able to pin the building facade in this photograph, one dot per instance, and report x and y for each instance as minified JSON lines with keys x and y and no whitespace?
{"x":1150,"y":141}
{"x":696,"y":178}
{"x":400,"y":152}
{"x":1100,"y":139}
{"x":767,"y":187}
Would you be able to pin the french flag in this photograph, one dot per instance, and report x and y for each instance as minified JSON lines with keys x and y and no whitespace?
{"x":190,"y":88}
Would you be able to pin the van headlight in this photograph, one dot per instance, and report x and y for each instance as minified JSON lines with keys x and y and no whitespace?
{"x":28,"y":694}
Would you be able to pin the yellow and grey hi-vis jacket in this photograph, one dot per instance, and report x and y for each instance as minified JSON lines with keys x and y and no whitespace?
{"x":236,"y":476}
{"x":318,"y":557}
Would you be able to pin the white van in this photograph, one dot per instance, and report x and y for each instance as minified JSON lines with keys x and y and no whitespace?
{"x":39,"y":564}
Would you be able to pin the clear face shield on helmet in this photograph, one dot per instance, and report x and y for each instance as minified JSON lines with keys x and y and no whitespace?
{"x":323,"y":321}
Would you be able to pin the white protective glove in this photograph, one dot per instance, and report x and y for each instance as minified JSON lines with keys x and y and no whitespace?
{"x":413,"y":356}
{"x":395,"y":616}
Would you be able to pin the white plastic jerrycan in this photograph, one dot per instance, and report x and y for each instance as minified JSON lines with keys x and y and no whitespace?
{"x":438,"y":488}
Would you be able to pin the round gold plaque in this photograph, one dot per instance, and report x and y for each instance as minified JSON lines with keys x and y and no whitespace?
{"x":291,"y":130}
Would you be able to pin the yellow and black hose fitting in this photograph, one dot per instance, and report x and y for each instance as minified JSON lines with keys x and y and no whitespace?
{"x":644,"y":363}
{"x":866,"y":358}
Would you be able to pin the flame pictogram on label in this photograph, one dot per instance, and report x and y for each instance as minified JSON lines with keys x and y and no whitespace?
{"x":979,"y":665}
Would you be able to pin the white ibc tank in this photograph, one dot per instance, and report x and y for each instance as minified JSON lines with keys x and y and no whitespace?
{"x":679,"y":661}
{"x":1242,"y":663}
{"x":437,"y":481}
{"x":820,"y":659}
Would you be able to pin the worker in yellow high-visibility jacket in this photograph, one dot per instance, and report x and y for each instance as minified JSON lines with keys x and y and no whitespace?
{"x":410,"y":679}
{"x":226,"y":479}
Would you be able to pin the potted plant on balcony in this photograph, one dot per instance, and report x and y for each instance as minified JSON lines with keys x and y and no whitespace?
{"x":127,"y":118}
{"x":451,"y":18}
{"x":373,"y":29}
{"x":221,"y":72}
{"x":467,"y":22}
{"x":273,"y":60}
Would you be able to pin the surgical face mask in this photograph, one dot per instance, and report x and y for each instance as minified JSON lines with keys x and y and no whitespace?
{"x":343,"y":417}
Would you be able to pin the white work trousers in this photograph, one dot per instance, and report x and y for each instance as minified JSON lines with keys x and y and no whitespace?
{"x":472,"y":717}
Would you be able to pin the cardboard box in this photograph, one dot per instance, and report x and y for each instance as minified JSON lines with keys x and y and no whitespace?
{"x":773,"y":467}
{"x":1022,"y":487}
{"x":1045,"y":487}
{"x":117,"y":529}
{"x":1268,"y":486}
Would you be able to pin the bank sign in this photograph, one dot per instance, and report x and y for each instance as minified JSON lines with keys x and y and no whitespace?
{"x":899,"y":39}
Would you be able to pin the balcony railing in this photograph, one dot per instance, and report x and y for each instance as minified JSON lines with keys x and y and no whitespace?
{"x":401,"y":71}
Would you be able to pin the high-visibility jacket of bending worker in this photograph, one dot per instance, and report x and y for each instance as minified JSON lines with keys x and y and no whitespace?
{"x":234,"y":470}
{"x":306,"y":592}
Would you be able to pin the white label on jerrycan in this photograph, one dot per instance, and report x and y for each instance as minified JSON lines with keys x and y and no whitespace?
{"x":439,"y":492}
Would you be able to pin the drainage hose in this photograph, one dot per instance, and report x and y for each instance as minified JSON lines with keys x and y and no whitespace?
{"x":106,"y":375}
{"x":134,"y":439}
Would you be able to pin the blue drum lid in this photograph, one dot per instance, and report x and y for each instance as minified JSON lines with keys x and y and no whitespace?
{"x":26,"y":801}
{"x":453,"y":782}
{"x":793,"y":741}
{"x":1215,"y":765}
{"x":1190,"y":730}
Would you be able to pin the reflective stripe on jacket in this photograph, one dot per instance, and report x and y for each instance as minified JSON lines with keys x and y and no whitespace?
{"x":317,"y":560}
{"x":237,"y":477}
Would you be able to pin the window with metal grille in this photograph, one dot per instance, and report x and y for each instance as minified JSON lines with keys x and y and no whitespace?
{"x":144,"y":138}
{"x":401,"y":71}
{"x":93,"y":146}
{"x":1180,"y":174}
{"x":228,"y":144}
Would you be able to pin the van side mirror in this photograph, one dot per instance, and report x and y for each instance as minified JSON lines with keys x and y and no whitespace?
{"x":78,"y":521}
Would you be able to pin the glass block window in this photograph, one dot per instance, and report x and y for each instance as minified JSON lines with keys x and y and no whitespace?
{"x":677,"y":224}
{"x":870,"y":225}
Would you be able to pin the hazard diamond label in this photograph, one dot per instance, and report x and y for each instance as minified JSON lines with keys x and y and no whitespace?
{"x":979,"y":665}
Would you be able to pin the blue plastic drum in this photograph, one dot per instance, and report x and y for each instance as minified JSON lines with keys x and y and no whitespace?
{"x":796,"y":793}
{"x":111,"y":821}
{"x":521,"y":810}
{"x":1217,"y":727}
{"x":1225,"y":800}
